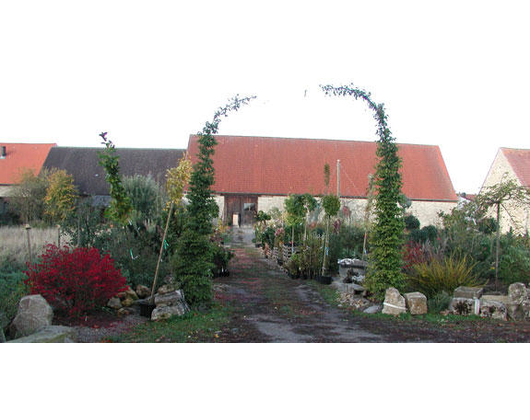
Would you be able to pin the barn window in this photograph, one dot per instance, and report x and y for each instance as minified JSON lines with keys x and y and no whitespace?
{"x":249,"y":206}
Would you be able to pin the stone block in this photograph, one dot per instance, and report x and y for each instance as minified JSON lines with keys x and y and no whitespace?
{"x":416,"y":303}
{"x":468,"y":292}
{"x":114,"y":303}
{"x":143,"y":291}
{"x":165,"y":312}
{"x":464,"y":306}
{"x":169,"y":299}
{"x":517,"y":292}
{"x":493,"y":309}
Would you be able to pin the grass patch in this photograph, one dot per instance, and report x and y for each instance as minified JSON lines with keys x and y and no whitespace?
{"x":193,"y":327}
{"x":329,"y":294}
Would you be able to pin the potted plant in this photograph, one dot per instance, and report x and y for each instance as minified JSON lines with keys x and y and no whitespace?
{"x":293,"y":266}
{"x":279,"y":237}
{"x":260,"y":227}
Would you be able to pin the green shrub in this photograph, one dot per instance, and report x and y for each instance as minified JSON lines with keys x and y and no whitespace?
{"x":411,"y":222}
{"x":135,"y":251}
{"x":439,"y":302}
{"x":350,"y":241}
{"x":446,"y":275}
{"x":221,"y":258}
{"x":12,"y":287}
{"x":514,"y":264}
{"x":147,"y":199}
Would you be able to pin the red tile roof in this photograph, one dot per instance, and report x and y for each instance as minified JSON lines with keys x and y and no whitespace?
{"x":20,"y":156}
{"x":282,"y":166}
{"x":519,"y":160}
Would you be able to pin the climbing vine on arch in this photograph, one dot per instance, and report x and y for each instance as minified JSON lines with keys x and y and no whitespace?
{"x":387,"y":238}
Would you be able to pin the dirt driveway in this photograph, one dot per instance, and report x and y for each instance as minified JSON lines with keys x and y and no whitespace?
{"x":268,"y":306}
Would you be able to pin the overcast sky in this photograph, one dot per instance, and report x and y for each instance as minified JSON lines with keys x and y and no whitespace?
{"x":468,"y":118}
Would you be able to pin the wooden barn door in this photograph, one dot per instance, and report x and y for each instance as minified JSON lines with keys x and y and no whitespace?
{"x":245,"y":206}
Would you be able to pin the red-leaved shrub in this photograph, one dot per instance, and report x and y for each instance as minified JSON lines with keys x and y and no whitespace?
{"x":414,"y":253}
{"x":75,"y":280}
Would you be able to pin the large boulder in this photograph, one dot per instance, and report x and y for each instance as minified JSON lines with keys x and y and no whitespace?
{"x":33,"y":314}
{"x":114,"y":303}
{"x":143,"y":291}
{"x":394,"y":303}
{"x":164,"y":312}
{"x":519,"y":306}
{"x":169,"y":304}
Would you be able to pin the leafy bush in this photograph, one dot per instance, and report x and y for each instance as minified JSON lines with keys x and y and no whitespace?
{"x":135,"y":251}
{"x":147,"y":199}
{"x":514,"y":265}
{"x":311,"y":255}
{"x":267,"y":237}
{"x":444,"y":274}
{"x":75,"y":280}
{"x":12,"y":287}
{"x":439,"y":302}
{"x":426,"y":233}
{"x":411,"y":222}
{"x":221,"y":258}
{"x":415,"y":253}
{"x":350,"y":241}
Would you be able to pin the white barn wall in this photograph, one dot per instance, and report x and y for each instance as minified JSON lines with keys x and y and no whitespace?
{"x":425,"y":211}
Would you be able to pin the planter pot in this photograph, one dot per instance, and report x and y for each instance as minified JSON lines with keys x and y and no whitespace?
{"x":146,"y":309}
{"x":324,"y":279}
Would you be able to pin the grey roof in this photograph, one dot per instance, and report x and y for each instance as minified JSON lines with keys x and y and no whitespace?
{"x":89,"y":177}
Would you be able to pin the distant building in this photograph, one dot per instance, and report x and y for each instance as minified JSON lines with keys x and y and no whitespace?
{"x":254,"y":173}
{"x":258,"y":173}
{"x":89,"y":177}
{"x":15,"y":158}
{"x":511,"y":164}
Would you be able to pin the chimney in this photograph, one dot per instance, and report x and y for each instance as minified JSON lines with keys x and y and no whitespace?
{"x":3,"y":153}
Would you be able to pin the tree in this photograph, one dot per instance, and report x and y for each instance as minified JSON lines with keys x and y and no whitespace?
{"x":120,"y":205}
{"x":386,"y":260}
{"x":193,"y":262}
{"x":176,"y":180}
{"x":496,"y":197}
{"x":28,"y":196}
{"x":61,"y":195}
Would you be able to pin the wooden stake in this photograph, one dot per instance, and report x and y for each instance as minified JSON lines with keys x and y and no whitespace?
{"x":151,"y":299}
{"x":28,"y":228}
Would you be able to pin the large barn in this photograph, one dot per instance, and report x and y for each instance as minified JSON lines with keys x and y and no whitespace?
{"x":258,"y":173}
